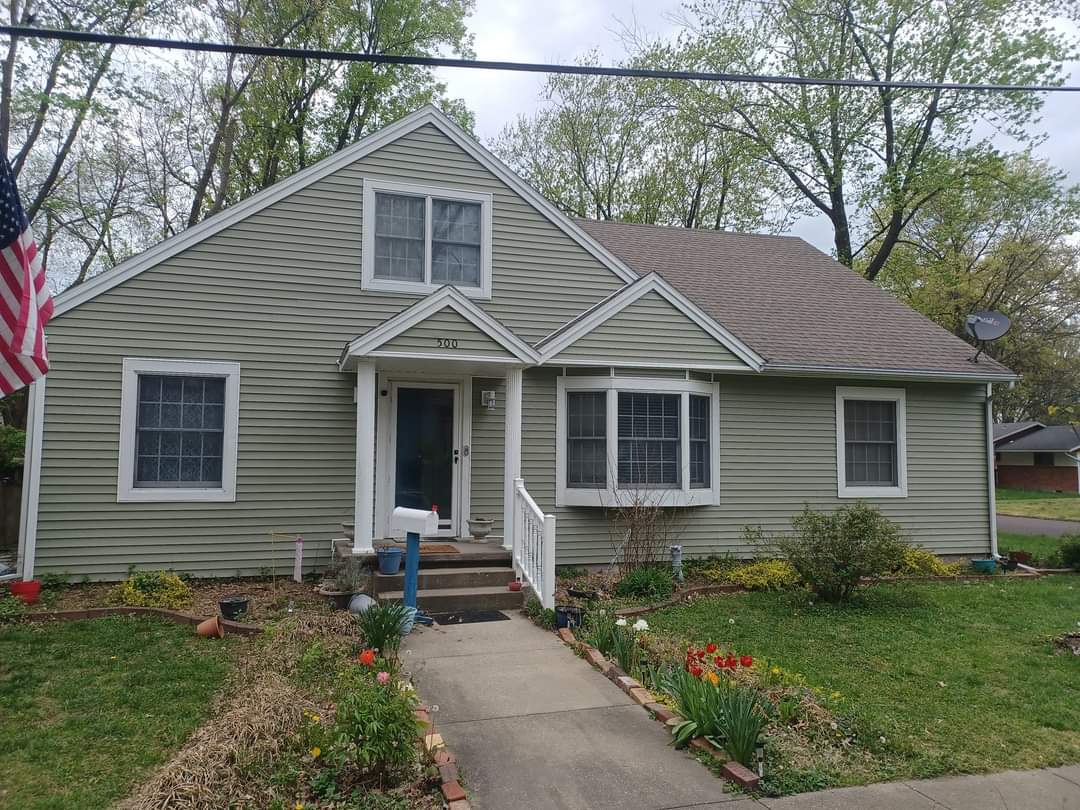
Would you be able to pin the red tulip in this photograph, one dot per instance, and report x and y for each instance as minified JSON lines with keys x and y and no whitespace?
{"x":367,"y":658}
{"x":747,"y":660}
{"x":700,"y":655}
{"x":719,"y":661}
{"x":696,"y":671}
{"x":731,"y":663}
{"x":710,"y":648}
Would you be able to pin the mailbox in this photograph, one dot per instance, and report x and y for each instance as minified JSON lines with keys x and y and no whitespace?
{"x":416,"y":521}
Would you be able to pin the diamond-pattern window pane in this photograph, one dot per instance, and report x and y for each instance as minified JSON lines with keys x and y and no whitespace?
{"x":649,"y":441}
{"x":870,"y":445}
{"x":586,"y":439}
{"x":700,"y":457}
{"x":179,"y":431}
{"x":399,"y":237}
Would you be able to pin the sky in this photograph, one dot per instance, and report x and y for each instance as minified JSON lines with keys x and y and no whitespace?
{"x":562,"y":30}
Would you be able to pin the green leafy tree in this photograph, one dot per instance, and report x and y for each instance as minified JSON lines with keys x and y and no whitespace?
{"x":868,"y":159}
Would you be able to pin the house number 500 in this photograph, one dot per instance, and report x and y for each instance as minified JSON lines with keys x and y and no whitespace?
{"x":446,"y":343}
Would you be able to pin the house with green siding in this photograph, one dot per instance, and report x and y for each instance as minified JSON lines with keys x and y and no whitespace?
{"x":408,"y":323}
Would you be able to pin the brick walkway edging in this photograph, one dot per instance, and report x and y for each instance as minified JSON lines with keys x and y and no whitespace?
{"x":445,"y":761}
{"x":731,"y":770}
{"x":174,"y":616}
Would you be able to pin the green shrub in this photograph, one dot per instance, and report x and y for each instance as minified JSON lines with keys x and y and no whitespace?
{"x":918,"y":562}
{"x":765,"y":575}
{"x":1069,"y":553}
{"x":11,"y":608}
{"x":12,"y":443}
{"x":374,"y":731}
{"x":570,"y":572}
{"x":381,"y":627}
{"x":714,"y":569}
{"x":652,"y":584}
{"x":545,"y":617}
{"x":832,"y":552}
{"x":158,"y":589}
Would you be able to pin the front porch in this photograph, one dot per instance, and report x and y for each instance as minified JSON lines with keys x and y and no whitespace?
{"x":438,"y":426}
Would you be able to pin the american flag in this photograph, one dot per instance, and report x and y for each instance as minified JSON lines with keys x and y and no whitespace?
{"x":25,"y":303}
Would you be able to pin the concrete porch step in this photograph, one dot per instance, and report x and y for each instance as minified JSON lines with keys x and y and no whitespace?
{"x":464,"y":577}
{"x":443,"y":600}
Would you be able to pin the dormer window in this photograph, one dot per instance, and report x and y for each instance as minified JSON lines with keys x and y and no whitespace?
{"x":420,"y":238}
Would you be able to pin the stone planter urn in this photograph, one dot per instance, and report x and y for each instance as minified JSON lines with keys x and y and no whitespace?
{"x":480,"y":528}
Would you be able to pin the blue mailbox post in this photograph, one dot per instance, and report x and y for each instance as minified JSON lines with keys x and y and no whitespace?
{"x":415,"y":522}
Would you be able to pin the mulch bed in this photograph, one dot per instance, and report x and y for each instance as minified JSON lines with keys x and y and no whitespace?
{"x":269,"y":598}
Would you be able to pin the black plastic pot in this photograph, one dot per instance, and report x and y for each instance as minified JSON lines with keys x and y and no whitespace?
{"x":232,"y":606}
{"x":578,"y":593}
{"x":339,"y":600}
{"x":568,"y":616}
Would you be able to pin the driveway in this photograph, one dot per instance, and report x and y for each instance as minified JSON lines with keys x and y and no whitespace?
{"x":1028,"y":525}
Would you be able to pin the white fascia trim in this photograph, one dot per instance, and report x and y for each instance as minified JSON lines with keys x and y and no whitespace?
{"x":461,"y":358}
{"x":423,"y":309}
{"x":28,"y":518}
{"x":854,"y":372}
{"x":590,"y":320}
{"x":126,"y":491}
{"x":646,"y":363}
{"x":991,"y":482}
{"x":301,"y":179}
{"x":367,"y":255}
{"x":610,"y":495}
{"x":897,"y":395}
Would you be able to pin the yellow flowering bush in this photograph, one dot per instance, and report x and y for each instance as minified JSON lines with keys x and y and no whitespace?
{"x":159,"y":589}
{"x":918,"y":562}
{"x":765,"y":575}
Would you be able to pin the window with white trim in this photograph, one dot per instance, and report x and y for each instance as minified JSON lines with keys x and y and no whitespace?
{"x":420,"y":238}
{"x":178,"y":430}
{"x":871,"y":453}
{"x":623,"y":439}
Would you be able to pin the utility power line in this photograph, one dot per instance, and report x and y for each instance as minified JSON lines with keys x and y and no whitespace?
{"x":526,"y":67}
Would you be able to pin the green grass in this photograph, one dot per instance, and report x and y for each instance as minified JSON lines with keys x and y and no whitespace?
{"x":1041,"y":546}
{"x":88,"y":708}
{"x":957,"y":678}
{"x":1030,"y":503}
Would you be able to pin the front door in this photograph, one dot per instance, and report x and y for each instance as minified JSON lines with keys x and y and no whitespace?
{"x":426,"y":441}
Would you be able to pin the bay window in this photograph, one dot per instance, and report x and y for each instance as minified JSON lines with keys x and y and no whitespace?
{"x":623,"y":440}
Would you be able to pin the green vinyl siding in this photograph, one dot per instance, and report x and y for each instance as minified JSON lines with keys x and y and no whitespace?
{"x":446,"y":333}
{"x":650,"y":330}
{"x":486,"y":453}
{"x":778,"y":452}
{"x":279,"y":293}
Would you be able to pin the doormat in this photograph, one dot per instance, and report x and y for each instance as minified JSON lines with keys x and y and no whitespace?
{"x":470,"y":617}
{"x":437,"y":549}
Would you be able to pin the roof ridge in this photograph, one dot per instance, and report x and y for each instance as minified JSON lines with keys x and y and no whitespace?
{"x":684,"y":228}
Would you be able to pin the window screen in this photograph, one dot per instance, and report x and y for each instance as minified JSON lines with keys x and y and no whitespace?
{"x":648,"y":440}
{"x":1044,"y":459}
{"x":586,"y":439}
{"x":870,"y":443}
{"x":455,"y":243}
{"x":180,"y":431}
{"x":399,"y":237}
{"x":700,"y":457}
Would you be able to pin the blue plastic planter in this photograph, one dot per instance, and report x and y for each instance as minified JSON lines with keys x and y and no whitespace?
{"x":987,"y":566}
{"x":389,"y":560}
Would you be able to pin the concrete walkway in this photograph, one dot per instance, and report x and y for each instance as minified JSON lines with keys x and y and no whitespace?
{"x":535,"y":727}
{"x":1030,"y":525}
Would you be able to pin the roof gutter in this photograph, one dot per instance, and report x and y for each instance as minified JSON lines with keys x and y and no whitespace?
{"x":797,"y":370}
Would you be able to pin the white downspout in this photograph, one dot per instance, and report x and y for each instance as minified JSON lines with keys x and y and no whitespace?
{"x":991,"y":493}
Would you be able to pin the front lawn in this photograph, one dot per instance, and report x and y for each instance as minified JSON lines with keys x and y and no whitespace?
{"x":88,"y":708}
{"x":934,"y":678}
{"x":1043,"y":549}
{"x":1030,"y":503}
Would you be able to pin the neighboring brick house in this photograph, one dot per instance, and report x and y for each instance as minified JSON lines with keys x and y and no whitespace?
{"x":1031,"y":455}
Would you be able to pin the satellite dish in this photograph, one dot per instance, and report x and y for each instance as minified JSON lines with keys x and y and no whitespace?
{"x":987,"y":325}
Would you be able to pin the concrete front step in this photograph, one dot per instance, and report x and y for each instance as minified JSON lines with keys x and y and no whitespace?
{"x":444,"y":600}
{"x":433,"y":578}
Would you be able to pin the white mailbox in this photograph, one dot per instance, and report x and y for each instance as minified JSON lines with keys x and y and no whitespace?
{"x":421,"y":521}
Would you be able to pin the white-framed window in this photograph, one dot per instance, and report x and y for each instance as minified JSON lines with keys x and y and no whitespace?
{"x":625,"y":440}
{"x":419,"y":238}
{"x":178,"y":430}
{"x":871,"y":443}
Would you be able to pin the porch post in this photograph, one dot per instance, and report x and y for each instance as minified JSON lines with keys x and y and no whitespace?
{"x":512,"y":453}
{"x":364,"y":512}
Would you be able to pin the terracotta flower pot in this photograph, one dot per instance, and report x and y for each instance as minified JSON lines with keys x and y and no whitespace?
{"x":515,"y":585}
{"x":28,"y":591}
{"x":211,"y":628}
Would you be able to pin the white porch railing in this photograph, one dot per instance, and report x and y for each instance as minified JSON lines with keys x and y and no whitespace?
{"x":534,"y":545}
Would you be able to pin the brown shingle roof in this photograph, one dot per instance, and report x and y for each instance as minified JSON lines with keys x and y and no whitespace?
{"x":790,"y":302}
